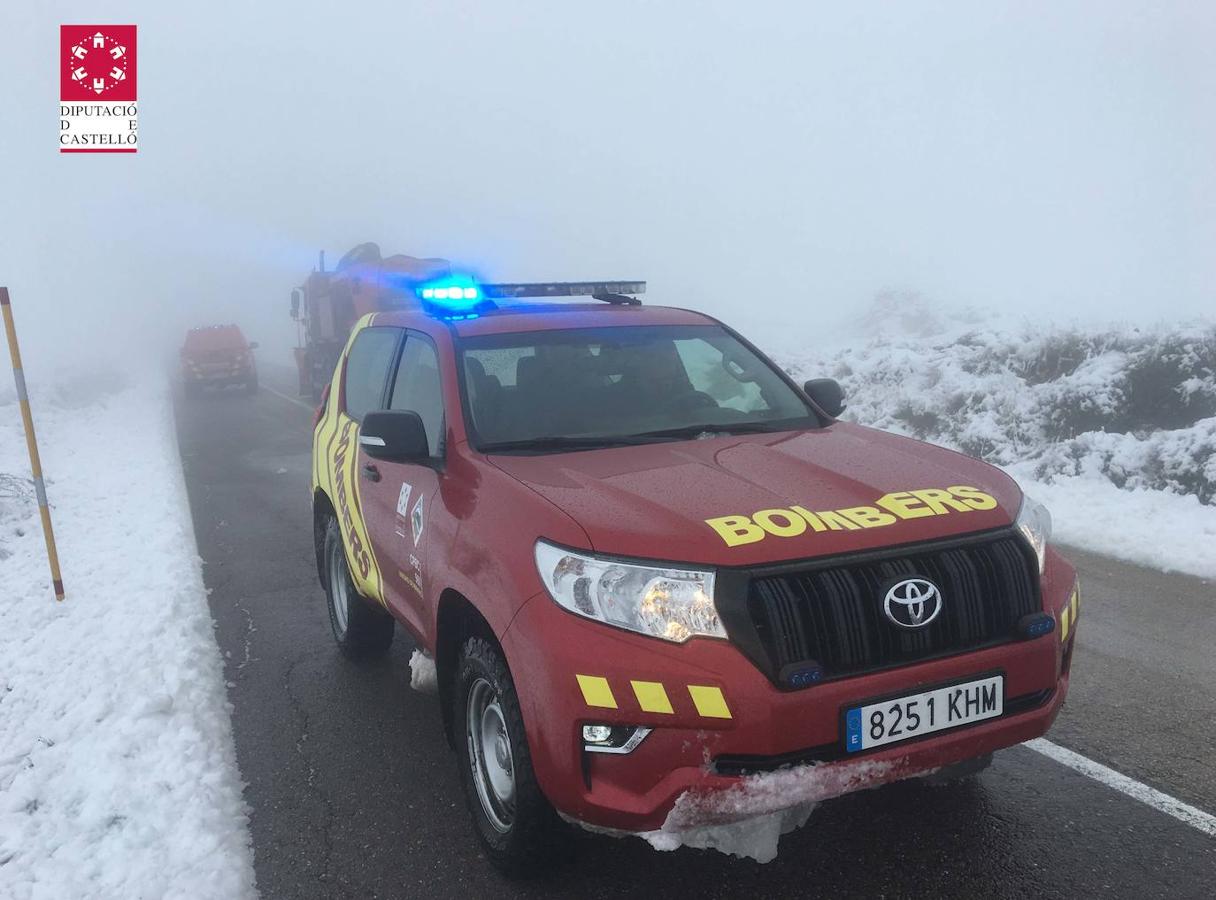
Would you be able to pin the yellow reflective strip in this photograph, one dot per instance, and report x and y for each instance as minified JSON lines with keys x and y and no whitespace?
{"x":1073,"y":607}
{"x":1064,"y":624}
{"x":652,"y":697}
{"x":596,"y":691}
{"x":709,"y":701}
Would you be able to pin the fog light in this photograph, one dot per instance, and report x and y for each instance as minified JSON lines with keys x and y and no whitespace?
{"x":802,"y":674}
{"x":613,"y":738}
{"x":1036,"y":625}
{"x":597,"y":734}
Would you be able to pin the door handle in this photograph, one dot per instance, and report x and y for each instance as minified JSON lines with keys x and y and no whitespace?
{"x":370,"y":472}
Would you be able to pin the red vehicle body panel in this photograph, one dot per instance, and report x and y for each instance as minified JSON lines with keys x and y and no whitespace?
{"x":485,"y":514}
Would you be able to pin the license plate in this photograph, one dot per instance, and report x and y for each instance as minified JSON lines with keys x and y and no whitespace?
{"x":902,"y":718}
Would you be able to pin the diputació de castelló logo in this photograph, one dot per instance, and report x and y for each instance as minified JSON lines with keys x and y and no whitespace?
{"x":98,"y":109}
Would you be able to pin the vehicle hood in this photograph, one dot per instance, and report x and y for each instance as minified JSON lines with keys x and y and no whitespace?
{"x":655,"y":501}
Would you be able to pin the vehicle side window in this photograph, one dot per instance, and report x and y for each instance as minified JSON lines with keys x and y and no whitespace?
{"x":416,"y":387}
{"x":367,"y":367}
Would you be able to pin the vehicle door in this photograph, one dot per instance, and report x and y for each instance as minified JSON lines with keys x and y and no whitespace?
{"x":400,"y":498}
{"x":365,"y":383}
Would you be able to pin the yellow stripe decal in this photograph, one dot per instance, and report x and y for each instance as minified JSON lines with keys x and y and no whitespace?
{"x":652,"y":697}
{"x":709,"y":701}
{"x":1073,"y":606}
{"x":1064,"y":624}
{"x":596,"y":691}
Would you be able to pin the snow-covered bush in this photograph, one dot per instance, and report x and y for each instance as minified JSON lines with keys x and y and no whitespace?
{"x":16,"y":494}
{"x":1136,"y":405}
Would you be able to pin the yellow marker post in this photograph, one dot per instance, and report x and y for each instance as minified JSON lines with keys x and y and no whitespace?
{"x":35,"y":463}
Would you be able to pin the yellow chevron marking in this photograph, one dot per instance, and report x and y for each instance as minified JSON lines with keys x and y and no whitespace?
{"x":596,"y":691}
{"x":652,"y":697}
{"x":709,"y":701}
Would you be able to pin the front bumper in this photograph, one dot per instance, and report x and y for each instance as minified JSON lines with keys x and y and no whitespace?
{"x":218,"y":377}
{"x":717,"y":719}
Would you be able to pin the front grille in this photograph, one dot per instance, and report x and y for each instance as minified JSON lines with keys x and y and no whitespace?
{"x":832,"y":612}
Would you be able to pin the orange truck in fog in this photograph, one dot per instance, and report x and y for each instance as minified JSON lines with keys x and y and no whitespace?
{"x":328,"y":304}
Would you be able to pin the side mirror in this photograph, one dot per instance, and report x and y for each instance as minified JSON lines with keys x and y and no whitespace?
{"x":827,"y":394}
{"x":394,"y":435}
{"x":253,"y":345}
{"x":295,"y":304}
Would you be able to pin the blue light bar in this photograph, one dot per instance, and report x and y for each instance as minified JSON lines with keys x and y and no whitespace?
{"x":460,"y":297}
{"x":452,"y":298}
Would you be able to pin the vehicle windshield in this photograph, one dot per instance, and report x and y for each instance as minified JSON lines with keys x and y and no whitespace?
{"x":596,"y":387}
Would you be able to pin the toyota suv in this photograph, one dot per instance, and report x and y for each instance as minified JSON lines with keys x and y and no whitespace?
{"x":663,"y":586}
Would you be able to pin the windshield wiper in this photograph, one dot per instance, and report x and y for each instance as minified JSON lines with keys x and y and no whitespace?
{"x":561,"y":442}
{"x":593,"y":442}
{"x":692,"y":431}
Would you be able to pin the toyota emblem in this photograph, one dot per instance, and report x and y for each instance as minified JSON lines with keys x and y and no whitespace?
{"x":912,"y":603}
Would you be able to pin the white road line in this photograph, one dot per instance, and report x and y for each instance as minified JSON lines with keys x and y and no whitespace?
{"x":1171,"y":806}
{"x":296,"y":400}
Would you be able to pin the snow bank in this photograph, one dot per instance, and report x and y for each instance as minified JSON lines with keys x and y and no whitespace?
{"x":117,"y":769}
{"x":1114,"y":428}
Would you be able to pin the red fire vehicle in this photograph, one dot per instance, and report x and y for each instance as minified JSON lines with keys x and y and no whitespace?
{"x":218,"y":356}
{"x":652,"y":571}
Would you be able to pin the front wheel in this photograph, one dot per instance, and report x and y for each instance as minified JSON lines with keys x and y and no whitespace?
{"x":518,"y":828}
{"x":361,"y":630}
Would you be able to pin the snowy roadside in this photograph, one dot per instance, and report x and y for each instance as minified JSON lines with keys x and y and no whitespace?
{"x":118,"y":773}
{"x":1113,"y":428}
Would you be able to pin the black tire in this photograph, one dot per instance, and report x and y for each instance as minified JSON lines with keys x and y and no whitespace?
{"x":361,"y":630}
{"x":960,"y":771}
{"x":192,"y":388}
{"x":251,"y":386}
{"x":534,"y":837}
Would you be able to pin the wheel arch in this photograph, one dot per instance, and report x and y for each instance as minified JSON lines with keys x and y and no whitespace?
{"x":457,"y":619}
{"x":322,"y":509}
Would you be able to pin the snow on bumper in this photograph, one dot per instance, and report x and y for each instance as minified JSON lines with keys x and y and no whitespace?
{"x":749,"y":818}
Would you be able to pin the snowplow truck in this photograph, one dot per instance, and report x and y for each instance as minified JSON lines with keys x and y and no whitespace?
{"x":328,"y":304}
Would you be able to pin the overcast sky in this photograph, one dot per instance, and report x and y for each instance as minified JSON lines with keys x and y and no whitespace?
{"x":773,"y":163}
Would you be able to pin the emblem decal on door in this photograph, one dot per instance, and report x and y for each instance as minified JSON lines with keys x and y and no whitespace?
{"x":417,"y":521}
{"x":403,"y":508}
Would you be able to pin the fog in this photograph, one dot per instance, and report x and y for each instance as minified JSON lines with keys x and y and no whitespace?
{"x":773,"y":164}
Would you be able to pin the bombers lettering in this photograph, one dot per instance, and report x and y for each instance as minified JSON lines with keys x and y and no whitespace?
{"x":348,"y":522}
{"x":888,"y":509}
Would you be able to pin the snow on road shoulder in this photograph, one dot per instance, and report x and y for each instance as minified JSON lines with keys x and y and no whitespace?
{"x":118,"y":773}
{"x":1112,"y":427}
{"x":1166,"y":531}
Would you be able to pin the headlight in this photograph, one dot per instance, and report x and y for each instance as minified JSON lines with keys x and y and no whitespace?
{"x":673,"y":604}
{"x":1034,"y":521}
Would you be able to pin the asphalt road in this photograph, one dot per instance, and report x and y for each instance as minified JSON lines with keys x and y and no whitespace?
{"x":354,"y":792}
